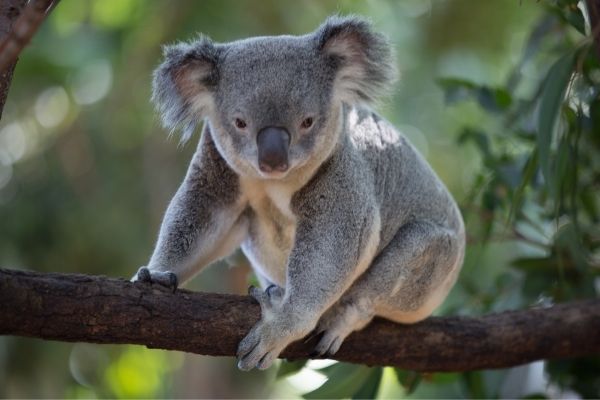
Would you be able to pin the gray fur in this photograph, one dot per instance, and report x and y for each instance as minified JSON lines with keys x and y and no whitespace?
{"x":176,"y":110}
{"x":358,"y":226}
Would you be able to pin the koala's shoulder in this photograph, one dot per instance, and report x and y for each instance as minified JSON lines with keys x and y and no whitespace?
{"x":368,"y":130}
{"x":211,"y":171}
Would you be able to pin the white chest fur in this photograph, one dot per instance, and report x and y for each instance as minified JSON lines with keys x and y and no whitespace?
{"x":271,"y":228}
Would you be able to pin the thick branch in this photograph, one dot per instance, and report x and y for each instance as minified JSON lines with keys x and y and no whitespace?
{"x":103,"y":310}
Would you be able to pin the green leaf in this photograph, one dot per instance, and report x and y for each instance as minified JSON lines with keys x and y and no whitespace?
{"x":456,"y":90}
{"x":527,"y":175}
{"x":408,"y":379}
{"x":553,"y":93}
{"x":574,"y":17}
{"x":290,"y":367}
{"x":369,"y":389}
{"x":493,"y":99}
{"x":489,"y":98}
{"x":473,"y":381}
{"x":344,"y":380}
{"x":529,"y":264}
{"x":480,"y":139}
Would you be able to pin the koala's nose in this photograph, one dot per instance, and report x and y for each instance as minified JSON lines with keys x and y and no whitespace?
{"x":273,"y":144}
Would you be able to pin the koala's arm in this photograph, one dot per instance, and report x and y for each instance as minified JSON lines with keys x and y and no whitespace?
{"x":199,"y":225}
{"x":337,"y":234}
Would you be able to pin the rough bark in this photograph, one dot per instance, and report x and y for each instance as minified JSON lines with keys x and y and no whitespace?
{"x":9,"y":11}
{"x":104,"y":310}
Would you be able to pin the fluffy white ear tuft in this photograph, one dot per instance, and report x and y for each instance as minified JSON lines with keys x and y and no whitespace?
{"x":184,"y":84}
{"x":362,"y":58}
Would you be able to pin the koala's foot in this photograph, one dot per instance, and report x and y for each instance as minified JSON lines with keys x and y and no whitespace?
{"x":167,"y":279}
{"x":339,"y":322}
{"x":261,"y":346}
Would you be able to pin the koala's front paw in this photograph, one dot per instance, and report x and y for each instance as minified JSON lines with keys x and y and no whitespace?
{"x":265,"y":341}
{"x":167,"y":279}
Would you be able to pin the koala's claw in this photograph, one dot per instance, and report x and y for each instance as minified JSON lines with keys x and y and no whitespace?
{"x":143,"y":275}
{"x":269,"y":297}
{"x":164,"y":278}
{"x":253,"y":352}
{"x":329,"y":344}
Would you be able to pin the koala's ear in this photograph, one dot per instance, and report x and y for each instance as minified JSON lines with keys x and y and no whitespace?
{"x":362,"y":58}
{"x":184,"y":84}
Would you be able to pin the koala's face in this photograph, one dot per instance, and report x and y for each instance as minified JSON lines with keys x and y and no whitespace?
{"x":273,"y":103}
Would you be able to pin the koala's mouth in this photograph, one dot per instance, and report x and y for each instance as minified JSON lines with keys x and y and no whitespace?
{"x":273,"y":175}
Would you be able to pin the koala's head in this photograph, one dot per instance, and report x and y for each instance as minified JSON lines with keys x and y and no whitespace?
{"x":273,"y":103}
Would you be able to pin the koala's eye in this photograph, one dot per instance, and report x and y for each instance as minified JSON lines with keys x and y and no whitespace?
{"x":240,"y":123}
{"x":307,"y":123}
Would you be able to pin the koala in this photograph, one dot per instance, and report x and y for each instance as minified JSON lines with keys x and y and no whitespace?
{"x":339,"y":215}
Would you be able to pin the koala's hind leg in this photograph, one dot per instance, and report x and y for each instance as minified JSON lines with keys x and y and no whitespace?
{"x":405,"y":283}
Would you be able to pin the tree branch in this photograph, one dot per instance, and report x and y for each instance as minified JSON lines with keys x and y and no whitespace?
{"x":18,"y":24}
{"x":97,"y":309}
{"x":9,"y":11}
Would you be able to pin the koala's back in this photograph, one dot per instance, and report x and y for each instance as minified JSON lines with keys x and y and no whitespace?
{"x":406,"y":187}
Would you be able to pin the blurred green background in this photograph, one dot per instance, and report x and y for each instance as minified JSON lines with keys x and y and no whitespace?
{"x":86,"y":173}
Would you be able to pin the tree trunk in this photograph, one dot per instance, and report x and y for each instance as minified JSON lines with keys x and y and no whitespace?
{"x":97,"y":309}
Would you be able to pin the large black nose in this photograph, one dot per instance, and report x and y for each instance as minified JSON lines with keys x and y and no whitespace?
{"x":273,"y":144}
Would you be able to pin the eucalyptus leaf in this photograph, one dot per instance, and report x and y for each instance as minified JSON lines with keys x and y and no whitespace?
{"x":491,"y":99}
{"x":287,"y":368}
{"x":369,"y":388}
{"x":408,"y":379}
{"x":344,"y":380}
{"x":575,"y":18}
{"x":526,"y":177}
{"x":553,"y":93}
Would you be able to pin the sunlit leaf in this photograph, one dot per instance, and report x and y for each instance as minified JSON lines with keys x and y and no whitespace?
{"x":343,"y":381}
{"x":287,"y":368}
